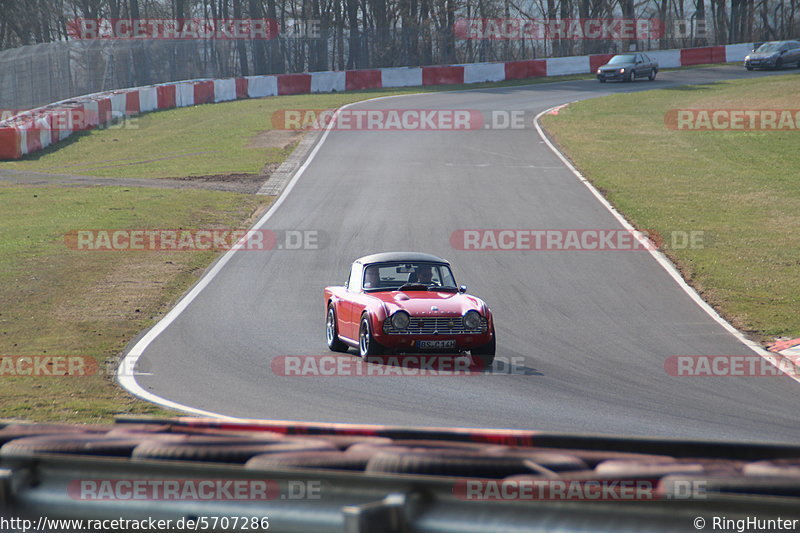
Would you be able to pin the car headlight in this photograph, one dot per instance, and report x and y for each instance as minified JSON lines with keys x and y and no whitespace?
{"x":472,"y":320}
{"x":598,"y":71}
{"x":400,"y":320}
{"x":747,"y":58}
{"x":622,"y":71}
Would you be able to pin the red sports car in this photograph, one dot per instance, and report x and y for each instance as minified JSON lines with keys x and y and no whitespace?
{"x":407,"y":302}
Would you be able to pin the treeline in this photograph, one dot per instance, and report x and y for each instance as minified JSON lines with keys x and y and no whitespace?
{"x":379,"y":33}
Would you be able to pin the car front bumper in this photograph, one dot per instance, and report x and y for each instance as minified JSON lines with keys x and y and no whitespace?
{"x":613,"y":76}
{"x":760,"y":63}
{"x":408,"y":343}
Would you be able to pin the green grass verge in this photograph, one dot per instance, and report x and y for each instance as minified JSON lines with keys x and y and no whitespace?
{"x":58,"y":301}
{"x":199,"y":140}
{"x":740,"y":188}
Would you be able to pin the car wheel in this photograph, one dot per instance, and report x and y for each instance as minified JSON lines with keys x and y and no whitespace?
{"x":366,"y":342}
{"x":485,"y":353}
{"x":652,"y":76}
{"x":632,"y":75}
{"x":332,"y":332}
{"x":749,"y":67}
{"x":779,"y":64}
{"x":601,"y":80}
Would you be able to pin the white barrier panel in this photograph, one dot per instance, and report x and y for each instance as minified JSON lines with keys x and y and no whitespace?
{"x":23,"y":140}
{"x":401,"y":77}
{"x":561,"y":66}
{"x":62,"y":124}
{"x":148,"y":99}
{"x":184,"y":94}
{"x":118,"y":102}
{"x":225,"y":90}
{"x":261,"y":86}
{"x":480,"y":72}
{"x":736,"y":52}
{"x":666,"y":58}
{"x":44,"y":132}
{"x":326,"y":82}
{"x":91,"y":109}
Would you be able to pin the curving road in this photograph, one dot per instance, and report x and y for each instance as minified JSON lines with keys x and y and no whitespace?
{"x":593,"y":328}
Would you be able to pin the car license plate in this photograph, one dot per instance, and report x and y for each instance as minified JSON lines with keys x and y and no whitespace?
{"x":436,"y":345}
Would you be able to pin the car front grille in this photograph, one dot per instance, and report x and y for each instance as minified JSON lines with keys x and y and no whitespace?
{"x":430,"y":325}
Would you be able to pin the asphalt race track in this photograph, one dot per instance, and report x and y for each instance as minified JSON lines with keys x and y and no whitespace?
{"x":591,"y":329}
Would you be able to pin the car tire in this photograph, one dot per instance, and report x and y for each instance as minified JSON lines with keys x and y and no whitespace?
{"x":652,"y":76}
{"x":601,"y":80}
{"x":779,"y":64}
{"x":332,"y":332}
{"x":366,"y":342}
{"x":632,"y":75}
{"x":485,"y":353}
{"x":749,"y":68}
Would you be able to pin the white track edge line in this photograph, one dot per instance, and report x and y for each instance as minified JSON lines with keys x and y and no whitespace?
{"x":662,"y":259}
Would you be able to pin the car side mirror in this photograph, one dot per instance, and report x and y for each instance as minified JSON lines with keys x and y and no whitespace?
{"x":462,"y":289}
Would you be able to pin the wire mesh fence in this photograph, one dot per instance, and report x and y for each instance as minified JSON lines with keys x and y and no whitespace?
{"x":43,"y":73}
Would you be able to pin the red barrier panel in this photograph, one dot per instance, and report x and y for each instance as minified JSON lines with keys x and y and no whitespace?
{"x":294,"y":83}
{"x":104,"y":110}
{"x":166,"y":96}
{"x":532,"y":68}
{"x":33,"y":138}
{"x":132,"y":103}
{"x":363,"y":79}
{"x":598,"y":60}
{"x":203,"y":92}
{"x":78,"y":118}
{"x":241,"y":88}
{"x":702,"y":56}
{"x":9,"y":144}
{"x":442,"y":75}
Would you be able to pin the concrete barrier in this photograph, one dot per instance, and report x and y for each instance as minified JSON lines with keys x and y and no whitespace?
{"x":482,"y":72}
{"x":36,"y":129}
{"x":328,"y":82}
{"x":562,"y":66}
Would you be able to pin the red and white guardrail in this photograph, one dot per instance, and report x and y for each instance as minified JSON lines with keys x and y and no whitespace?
{"x":36,"y":129}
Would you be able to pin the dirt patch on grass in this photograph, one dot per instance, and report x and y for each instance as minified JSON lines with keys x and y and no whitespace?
{"x":281,"y":139}
{"x":234,"y":182}
{"x":130,"y":290}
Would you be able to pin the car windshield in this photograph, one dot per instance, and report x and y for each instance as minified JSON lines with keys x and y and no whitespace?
{"x":392,"y":276}
{"x":769,"y":47}
{"x":620,"y":59}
